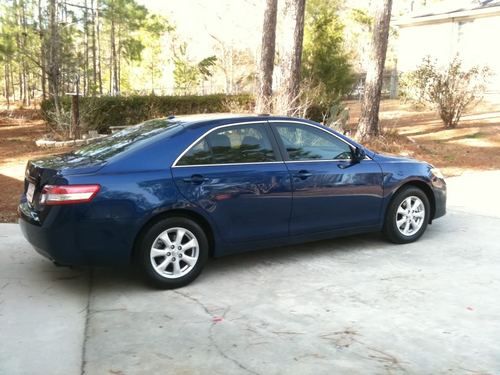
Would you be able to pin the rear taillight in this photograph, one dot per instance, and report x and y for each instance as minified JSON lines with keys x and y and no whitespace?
{"x":68,"y":194}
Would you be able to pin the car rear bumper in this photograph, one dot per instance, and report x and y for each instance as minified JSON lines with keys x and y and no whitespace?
{"x":67,"y":237}
{"x":52,"y":241}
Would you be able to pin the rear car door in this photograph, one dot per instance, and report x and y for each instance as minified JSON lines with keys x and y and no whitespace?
{"x":330,"y":191}
{"x":235,"y":173}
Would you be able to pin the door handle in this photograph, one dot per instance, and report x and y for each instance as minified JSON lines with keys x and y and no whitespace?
{"x":195,"y":179}
{"x":303,"y":174}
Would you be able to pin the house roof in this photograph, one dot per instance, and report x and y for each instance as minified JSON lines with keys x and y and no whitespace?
{"x":450,"y":10}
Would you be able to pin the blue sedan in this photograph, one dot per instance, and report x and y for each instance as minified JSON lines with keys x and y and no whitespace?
{"x":169,"y":193}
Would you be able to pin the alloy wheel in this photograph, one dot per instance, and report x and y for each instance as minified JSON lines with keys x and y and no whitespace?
{"x":174,"y":252}
{"x":410,"y":215}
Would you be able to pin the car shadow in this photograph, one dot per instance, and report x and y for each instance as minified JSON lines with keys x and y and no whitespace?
{"x":294,"y":253}
{"x":130,"y":279}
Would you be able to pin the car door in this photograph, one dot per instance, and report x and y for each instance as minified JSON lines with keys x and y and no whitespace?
{"x":235,"y":173}
{"x":330,"y":191}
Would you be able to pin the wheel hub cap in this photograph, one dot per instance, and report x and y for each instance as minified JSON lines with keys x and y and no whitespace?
{"x":174,"y":253}
{"x":410,"y":215}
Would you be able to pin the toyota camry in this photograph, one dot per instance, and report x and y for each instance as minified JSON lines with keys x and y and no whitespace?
{"x":168,"y":193}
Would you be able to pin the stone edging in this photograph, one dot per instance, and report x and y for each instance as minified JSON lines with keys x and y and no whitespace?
{"x":78,"y":142}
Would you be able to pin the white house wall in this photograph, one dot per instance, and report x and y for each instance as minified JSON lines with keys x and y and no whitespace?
{"x":416,"y":42}
{"x":476,"y":40}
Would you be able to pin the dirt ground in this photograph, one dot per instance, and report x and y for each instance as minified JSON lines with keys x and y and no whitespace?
{"x":18,"y":131}
{"x":473,"y":145}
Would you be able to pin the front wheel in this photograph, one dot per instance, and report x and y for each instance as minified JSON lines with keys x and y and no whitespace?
{"x":407,"y":216}
{"x":173,"y":252}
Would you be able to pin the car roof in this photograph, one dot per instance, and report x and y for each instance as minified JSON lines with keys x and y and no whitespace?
{"x":195,"y":121}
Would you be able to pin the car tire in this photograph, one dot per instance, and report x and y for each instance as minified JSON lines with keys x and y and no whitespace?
{"x":163,"y":256}
{"x":407,"y":216}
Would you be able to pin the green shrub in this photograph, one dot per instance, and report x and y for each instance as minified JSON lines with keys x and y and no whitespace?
{"x":99,"y":113}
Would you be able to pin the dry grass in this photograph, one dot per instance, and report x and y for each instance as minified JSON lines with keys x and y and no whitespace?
{"x":473,"y":145}
{"x":18,"y":131}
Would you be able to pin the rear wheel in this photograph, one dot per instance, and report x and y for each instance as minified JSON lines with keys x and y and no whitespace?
{"x":407,"y":216}
{"x":173,"y":252}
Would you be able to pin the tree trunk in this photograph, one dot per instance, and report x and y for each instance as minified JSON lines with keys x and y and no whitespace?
{"x":53,"y":70}
{"x":11,"y":80}
{"x":98,"y":49}
{"x":42,"y":51}
{"x":292,"y":55}
{"x":369,"y":122}
{"x":86,"y":49}
{"x":26,"y":81}
{"x":6,"y":84}
{"x":268,"y":49}
{"x":94,"y":52}
{"x":114,"y":61}
{"x":119,"y":61}
{"x":20,"y":63}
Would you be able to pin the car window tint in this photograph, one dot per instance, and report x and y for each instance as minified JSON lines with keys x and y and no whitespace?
{"x":198,"y":154}
{"x":304,"y":142}
{"x":236,"y":144}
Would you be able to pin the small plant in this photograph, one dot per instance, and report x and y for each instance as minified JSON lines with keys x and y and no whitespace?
{"x":298,"y":106}
{"x":337,"y":118}
{"x":450,"y":91}
{"x":59,"y":123}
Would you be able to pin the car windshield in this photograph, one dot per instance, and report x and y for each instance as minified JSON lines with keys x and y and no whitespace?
{"x":122,"y":140}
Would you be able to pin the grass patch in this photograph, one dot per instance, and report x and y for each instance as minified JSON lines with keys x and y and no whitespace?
{"x":475,"y":135}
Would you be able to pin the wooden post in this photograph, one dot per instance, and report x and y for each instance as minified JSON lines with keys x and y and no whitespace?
{"x":75,"y":117}
{"x":74,"y":131}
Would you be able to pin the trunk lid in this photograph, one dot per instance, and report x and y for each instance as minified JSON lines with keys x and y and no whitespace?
{"x":52,"y":171}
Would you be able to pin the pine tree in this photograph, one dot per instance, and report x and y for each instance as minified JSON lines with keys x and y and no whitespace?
{"x":369,"y":121}
{"x":292,"y":55}
{"x":265,"y":84}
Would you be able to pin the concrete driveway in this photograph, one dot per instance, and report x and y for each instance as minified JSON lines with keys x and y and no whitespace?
{"x":352,"y":305}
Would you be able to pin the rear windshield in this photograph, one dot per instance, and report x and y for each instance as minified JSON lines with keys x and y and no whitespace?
{"x":122,"y":140}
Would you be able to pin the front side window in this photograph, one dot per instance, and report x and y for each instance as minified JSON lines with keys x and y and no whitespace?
{"x":236,"y":144}
{"x":304,"y":142}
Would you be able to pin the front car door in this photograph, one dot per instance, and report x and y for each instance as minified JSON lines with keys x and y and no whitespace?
{"x":235,"y":173}
{"x":330,"y":191}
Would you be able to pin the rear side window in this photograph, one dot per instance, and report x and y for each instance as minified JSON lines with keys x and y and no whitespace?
{"x":235,"y":144}
{"x":303,"y":142}
{"x":123,"y":140}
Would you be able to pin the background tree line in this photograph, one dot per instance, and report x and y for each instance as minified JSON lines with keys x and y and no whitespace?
{"x":52,"y":47}
{"x":108,"y":46}
{"x":49,"y":48}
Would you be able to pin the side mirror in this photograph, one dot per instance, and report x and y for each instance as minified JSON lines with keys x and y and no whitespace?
{"x":358,"y":154}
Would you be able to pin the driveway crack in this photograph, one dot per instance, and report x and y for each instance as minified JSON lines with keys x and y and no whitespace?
{"x":86,"y":327}
{"x":211,"y":333}
{"x":195,"y":300}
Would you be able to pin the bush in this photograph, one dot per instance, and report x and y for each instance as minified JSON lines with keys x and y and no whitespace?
{"x":450,"y":91}
{"x":316,"y":112}
{"x":99,"y":113}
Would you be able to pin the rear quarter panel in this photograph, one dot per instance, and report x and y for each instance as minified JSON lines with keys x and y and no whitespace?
{"x":106,"y":228}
